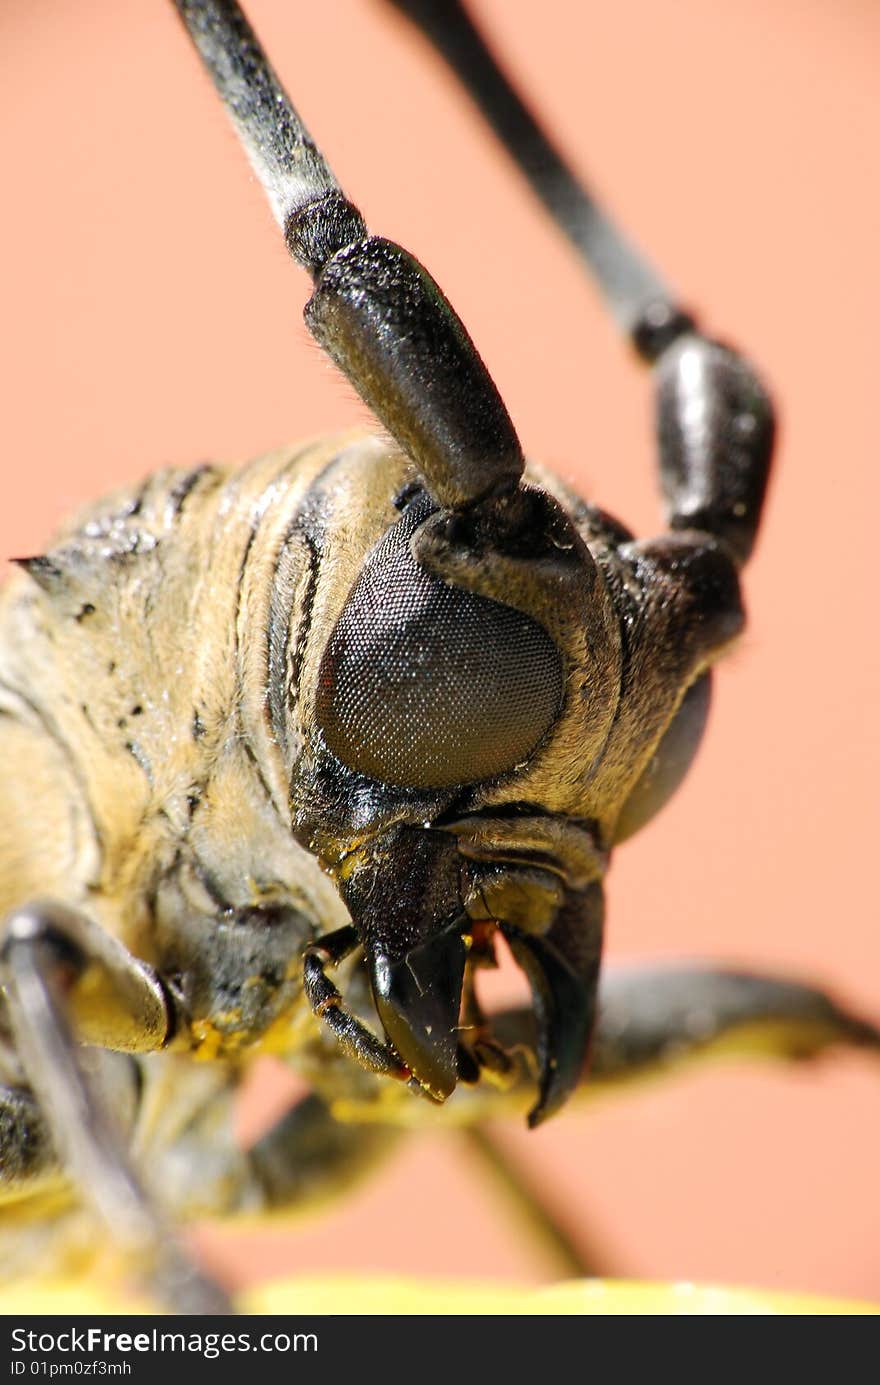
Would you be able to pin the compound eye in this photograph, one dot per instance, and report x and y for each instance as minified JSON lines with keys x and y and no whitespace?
{"x":425,"y":686}
{"x":670,"y":762}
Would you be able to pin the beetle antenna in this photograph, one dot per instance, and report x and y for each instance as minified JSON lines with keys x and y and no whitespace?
{"x":376,"y":311}
{"x":641,"y":303}
{"x":714,"y":475}
{"x":294,"y":174}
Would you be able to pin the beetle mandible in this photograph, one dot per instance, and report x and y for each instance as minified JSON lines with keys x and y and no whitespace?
{"x":463,"y":689}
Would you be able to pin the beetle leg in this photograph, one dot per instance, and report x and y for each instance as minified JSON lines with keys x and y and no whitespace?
{"x":27,"y":1155}
{"x":656,"y":1017}
{"x":571,"y":1255}
{"x":60,"y":969}
{"x":34,"y":1192}
{"x":308,"y":1156}
{"x":354,"y":1036}
{"x":375,"y":310}
{"x":43,"y":1221}
{"x":653,"y":1019}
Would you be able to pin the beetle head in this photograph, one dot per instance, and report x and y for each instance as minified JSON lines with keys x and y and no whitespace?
{"x":467,"y":762}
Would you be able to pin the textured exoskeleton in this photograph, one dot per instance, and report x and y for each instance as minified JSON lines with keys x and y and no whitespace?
{"x":362,"y":705}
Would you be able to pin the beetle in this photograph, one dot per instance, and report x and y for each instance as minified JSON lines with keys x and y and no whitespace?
{"x":431,"y":1076}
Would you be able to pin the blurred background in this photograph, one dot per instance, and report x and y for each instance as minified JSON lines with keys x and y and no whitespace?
{"x":151,"y":316}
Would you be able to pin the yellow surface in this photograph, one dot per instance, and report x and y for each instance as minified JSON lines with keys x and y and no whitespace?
{"x":387,"y":1295}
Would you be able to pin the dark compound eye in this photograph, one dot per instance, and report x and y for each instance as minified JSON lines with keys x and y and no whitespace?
{"x":425,"y":685}
{"x":670,"y":761}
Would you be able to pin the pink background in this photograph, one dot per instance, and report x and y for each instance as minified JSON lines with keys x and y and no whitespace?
{"x":151,"y":316}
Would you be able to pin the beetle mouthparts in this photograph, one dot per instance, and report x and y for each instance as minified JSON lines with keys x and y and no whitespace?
{"x":418,"y":1000}
{"x":409,"y":906}
{"x":565,"y":1003}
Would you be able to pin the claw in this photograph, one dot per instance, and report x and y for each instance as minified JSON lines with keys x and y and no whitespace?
{"x":418,"y":999}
